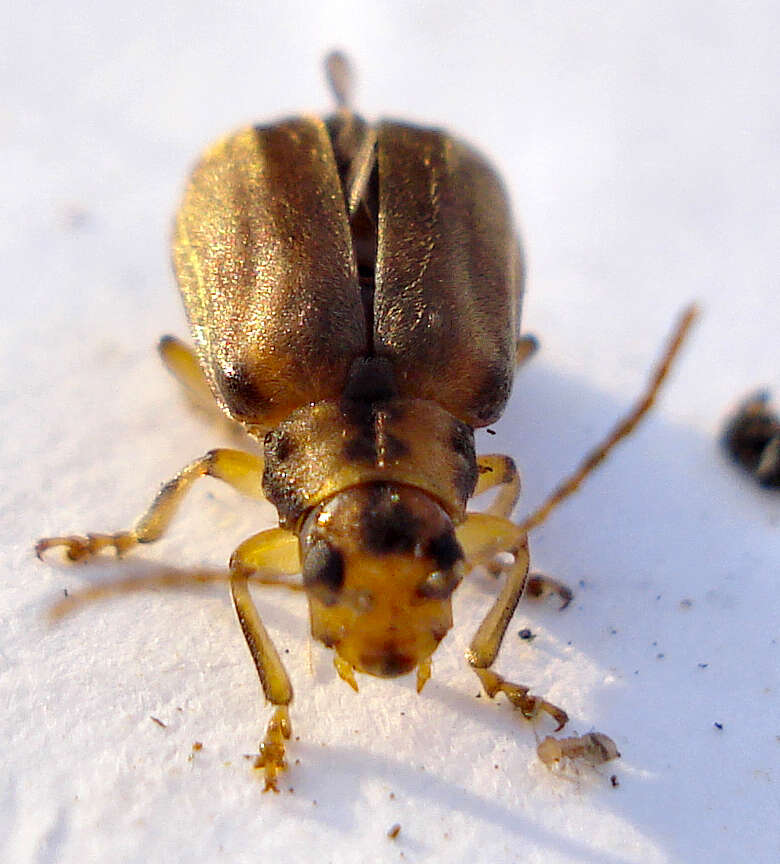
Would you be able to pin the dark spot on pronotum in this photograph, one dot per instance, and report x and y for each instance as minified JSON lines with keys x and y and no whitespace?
{"x":466,"y":471}
{"x":370,"y":446}
{"x":240,"y":391}
{"x":323,"y":570}
{"x":283,"y":493}
{"x":279,"y":445}
{"x":445,"y":550}
{"x":393,"y":448}
{"x":388,"y":526}
{"x":361,"y":449}
{"x":462,"y":440}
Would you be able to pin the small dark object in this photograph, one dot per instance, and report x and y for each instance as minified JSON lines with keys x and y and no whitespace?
{"x":158,"y":722}
{"x":394,"y":831}
{"x":614,"y":781}
{"x":526,"y":633}
{"x":752,"y":438}
{"x":718,"y":726}
{"x":198,"y":745}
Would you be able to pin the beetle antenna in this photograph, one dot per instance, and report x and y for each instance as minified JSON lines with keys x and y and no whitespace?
{"x":162,"y":577}
{"x":341,"y":78}
{"x":624,"y":428}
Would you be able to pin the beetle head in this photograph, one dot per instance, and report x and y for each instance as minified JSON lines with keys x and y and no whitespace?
{"x":380,"y":563}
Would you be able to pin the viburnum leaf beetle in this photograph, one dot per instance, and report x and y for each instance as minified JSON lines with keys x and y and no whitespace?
{"x":354,"y":294}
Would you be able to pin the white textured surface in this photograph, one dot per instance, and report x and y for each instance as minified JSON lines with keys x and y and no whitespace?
{"x":641,"y":143}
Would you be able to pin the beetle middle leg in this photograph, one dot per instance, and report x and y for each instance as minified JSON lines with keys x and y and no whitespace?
{"x":272,"y":550}
{"x":525,"y":347}
{"x":243,"y":471}
{"x":482,"y":536}
{"x":182,"y":362}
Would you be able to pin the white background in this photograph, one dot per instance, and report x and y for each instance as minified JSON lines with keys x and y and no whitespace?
{"x":640,"y":143}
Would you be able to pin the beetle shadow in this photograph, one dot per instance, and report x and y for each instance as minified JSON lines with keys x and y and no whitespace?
{"x":348,"y":768}
{"x":666,"y":482}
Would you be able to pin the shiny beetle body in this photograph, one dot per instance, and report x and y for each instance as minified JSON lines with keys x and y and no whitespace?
{"x":354,"y":295}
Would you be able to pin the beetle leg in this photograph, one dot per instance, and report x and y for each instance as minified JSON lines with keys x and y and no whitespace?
{"x":496,"y":469}
{"x":482,"y":536}
{"x":182,"y":362}
{"x":275,"y":549}
{"x":525,"y":347}
{"x":243,"y":471}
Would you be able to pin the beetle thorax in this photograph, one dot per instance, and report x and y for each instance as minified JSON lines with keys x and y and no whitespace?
{"x":380,"y":563}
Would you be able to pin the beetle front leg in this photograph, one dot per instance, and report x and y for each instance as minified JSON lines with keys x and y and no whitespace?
{"x":277,"y":550}
{"x":482,"y":536}
{"x":496,"y":469}
{"x":243,"y":471}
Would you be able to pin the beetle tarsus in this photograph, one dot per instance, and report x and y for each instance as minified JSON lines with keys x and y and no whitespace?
{"x":528,"y":705}
{"x":272,"y":751}
{"x":79,"y":548}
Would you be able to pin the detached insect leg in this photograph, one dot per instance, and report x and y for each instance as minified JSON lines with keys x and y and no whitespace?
{"x":277,"y":550}
{"x":482,"y":536}
{"x":242,"y":471}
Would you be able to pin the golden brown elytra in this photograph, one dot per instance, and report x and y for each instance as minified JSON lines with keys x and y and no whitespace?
{"x":354,"y":295}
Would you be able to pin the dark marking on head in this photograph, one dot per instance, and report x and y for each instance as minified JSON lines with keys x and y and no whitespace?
{"x":323,"y":571}
{"x":387,"y":526}
{"x":445,"y":550}
{"x":492,"y":393}
{"x":466,"y":471}
{"x":388,"y":662}
{"x":240,"y":391}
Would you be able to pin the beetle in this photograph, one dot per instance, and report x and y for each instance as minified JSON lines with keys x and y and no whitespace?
{"x":354,"y":295}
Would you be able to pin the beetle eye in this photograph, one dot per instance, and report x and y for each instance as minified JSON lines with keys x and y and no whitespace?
{"x":439,"y":585}
{"x":323,"y":572}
